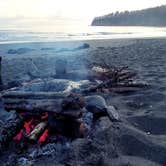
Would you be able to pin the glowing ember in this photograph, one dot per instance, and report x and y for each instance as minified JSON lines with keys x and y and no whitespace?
{"x":28,"y":126}
{"x":18,"y":136}
{"x":43,"y":137}
{"x":45,"y":116}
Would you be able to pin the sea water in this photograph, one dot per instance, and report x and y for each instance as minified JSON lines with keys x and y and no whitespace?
{"x":63,"y":32}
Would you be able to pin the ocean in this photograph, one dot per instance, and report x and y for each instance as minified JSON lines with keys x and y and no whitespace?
{"x":82,"y":32}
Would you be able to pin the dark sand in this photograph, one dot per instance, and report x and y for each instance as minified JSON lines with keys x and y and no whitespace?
{"x":140,"y":139}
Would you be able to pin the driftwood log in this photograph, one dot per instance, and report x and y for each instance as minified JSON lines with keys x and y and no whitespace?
{"x":9,"y":130}
{"x":113,"y":79}
{"x":34,"y":95}
{"x":32,"y":106}
{"x":36,"y":132}
{"x":33,"y":102}
{"x":43,"y":102}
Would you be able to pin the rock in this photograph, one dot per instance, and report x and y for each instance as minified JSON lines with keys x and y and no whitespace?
{"x":103,"y":123}
{"x":23,"y":161}
{"x":112,"y":113}
{"x":24,"y":50}
{"x":12,"y":51}
{"x":19,"y":51}
{"x":84,"y":46}
{"x":47,"y":49}
{"x":87,"y":118}
{"x":95,"y":101}
{"x":96,"y":105}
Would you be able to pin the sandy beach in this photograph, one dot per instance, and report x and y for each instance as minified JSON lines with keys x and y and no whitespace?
{"x":140,"y":138}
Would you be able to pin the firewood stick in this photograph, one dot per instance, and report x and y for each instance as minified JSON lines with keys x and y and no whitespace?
{"x":37,"y":131}
{"x":124,"y":89}
{"x":126,"y":77}
{"x":132,"y":84}
{"x":100,"y":86}
{"x":9,"y":130}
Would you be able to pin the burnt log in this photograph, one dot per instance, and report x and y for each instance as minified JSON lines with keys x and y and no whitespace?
{"x":9,"y":130}
{"x":73,"y":102}
{"x":72,"y":128}
{"x":36,"y":132}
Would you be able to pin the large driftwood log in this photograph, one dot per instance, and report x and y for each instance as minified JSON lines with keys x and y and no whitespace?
{"x":9,"y":130}
{"x":64,"y":105}
{"x":33,"y":102}
{"x":34,"y":95}
{"x":32,"y":106}
{"x":36,"y":132}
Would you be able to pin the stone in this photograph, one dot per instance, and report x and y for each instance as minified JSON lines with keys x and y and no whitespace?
{"x":84,"y":46}
{"x":22,"y":161}
{"x":96,"y":105}
{"x":103,"y":123}
{"x":19,"y":51}
{"x":95,"y":101}
{"x":112,"y":113}
{"x":12,"y":51}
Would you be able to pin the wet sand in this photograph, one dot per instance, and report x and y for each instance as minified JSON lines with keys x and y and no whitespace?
{"x":140,"y":139}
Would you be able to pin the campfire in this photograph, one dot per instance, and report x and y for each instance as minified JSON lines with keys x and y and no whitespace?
{"x":57,"y":109}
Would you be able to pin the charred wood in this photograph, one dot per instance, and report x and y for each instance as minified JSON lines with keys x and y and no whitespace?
{"x":9,"y":130}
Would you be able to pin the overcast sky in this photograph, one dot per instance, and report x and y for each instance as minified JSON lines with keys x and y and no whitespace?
{"x":83,"y":10}
{"x":70,"y":8}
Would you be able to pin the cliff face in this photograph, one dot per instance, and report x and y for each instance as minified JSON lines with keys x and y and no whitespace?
{"x":147,"y":17}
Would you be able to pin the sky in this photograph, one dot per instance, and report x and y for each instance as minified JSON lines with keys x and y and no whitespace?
{"x":84,"y":10}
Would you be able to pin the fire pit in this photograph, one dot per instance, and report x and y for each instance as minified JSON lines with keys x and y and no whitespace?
{"x":58,"y":111}
{"x":45,"y":108}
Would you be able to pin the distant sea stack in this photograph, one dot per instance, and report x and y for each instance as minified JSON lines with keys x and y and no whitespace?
{"x":147,"y":17}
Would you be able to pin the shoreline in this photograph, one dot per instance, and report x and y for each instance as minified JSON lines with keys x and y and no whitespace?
{"x":82,"y":40}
